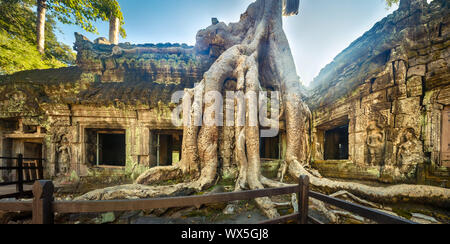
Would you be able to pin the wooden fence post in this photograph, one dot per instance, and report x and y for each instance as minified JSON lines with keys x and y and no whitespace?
{"x":19,"y":186}
{"x":40,"y":169}
{"x":43,"y":202}
{"x":303,"y":199}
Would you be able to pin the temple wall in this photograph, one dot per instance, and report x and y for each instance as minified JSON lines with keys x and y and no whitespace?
{"x":68,"y":144}
{"x":392,"y":99}
{"x":160,"y":63}
{"x":126,"y":88}
{"x":378,"y":109}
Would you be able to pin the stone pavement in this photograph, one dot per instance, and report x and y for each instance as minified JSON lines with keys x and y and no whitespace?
{"x":5,"y":190}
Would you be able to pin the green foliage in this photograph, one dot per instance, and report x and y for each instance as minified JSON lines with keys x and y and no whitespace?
{"x":18,"y":30}
{"x":17,"y":54}
{"x":74,"y":12}
{"x":85,"y":12}
{"x":18,"y":40}
{"x":108,"y":9}
{"x":16,"y":20}
{"x":390,"y":3}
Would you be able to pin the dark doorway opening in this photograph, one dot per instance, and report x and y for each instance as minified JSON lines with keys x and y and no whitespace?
{"x":336,"y":143}
{"x":111,"y":148}
{"x":270,"y":148}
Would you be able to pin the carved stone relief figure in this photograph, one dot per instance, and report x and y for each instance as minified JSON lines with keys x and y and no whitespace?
{"x":375,"y":144}
{"x":63,"y":154}
{"x":319,"y":148}
{"x":409,"y":150}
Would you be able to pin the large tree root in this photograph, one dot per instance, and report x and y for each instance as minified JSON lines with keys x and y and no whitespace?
{"x":430,"y":195}
{"x":160,"y":174}
{"x":256,"y":58}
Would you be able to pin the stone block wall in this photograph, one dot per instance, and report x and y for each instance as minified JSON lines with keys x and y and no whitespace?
{"x":392,"y":85}
{"x":160,"y":63}
{"x":389,"y":88}
{"x":123,"y":87}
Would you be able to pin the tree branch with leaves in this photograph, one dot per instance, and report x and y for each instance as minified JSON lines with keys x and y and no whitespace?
{"x":82,"y":13}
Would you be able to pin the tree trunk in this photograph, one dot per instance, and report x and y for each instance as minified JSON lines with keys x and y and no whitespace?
{"x":40,"y":31}
{"x":256,"y":56}
{"x":114,"y":28}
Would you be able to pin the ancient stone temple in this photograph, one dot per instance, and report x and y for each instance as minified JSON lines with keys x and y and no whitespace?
{"x":112,"y":110}
{"x":381,"y":109}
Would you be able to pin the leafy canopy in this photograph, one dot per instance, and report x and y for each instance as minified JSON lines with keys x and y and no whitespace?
{"x":17,"y":55}
{"x":391,"y":3}
{"x":84,"y":13}
{"x":18,"y":19}
{"x":18,"y":49}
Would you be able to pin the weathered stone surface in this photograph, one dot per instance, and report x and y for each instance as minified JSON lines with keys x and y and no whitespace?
{"x":120,"y":87}
{"x":388,"y":83}
{"x":419,"y":70}
{"x":407,"y":106}
{"x":348,"y":170}
{"x":160,"y":63}
{"x":415,"y":86}
{"x":102,"y":41}
{"x":383,"y":45}
{"x":423,"y":219}
{"x":389,"y":87}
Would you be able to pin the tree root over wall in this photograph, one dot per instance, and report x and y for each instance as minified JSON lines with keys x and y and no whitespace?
{"x":256,"y":54}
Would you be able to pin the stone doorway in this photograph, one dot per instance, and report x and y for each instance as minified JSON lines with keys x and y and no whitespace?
{"x":336,"y":143}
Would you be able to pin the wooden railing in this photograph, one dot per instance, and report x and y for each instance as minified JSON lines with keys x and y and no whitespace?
{"x":44,"y":207}
{"x":28,"y":170}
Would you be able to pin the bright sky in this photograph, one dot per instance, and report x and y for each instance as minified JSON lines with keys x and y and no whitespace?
{"x":322,"y":30}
